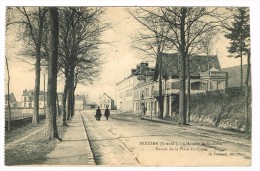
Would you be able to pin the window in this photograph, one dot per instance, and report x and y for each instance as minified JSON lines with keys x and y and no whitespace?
{"x":147,"y":92}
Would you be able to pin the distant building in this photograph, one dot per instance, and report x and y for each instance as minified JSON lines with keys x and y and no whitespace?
{"x":234,"y":75}
{"x":12,"y":100}
{"x":42,"y":98}
{"x":27,"y":98}
{"x":80,"y":102}
{"x":140,"y":91}
{"x":125,"y":94}
{"x":144,"y":89}
{"x":125,"y":88}
{"x":106,"y":101}
{"x":91,"y":105}
{"x":60,"y":98}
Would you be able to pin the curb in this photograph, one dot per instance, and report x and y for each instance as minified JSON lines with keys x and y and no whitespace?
{"x":89,"y":152}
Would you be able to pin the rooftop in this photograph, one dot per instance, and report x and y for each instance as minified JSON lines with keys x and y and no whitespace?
{"x":198,"y":63}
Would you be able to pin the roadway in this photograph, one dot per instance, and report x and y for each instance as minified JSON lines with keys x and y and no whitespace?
{"x":126,"y":140}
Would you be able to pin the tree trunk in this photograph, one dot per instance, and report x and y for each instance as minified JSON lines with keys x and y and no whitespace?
{"x":70,"y":93}
{"x":241,"y":70}
{"x":44,"y":95}
{"x":35,"y":118}
{"x":51,"y":125}
{"x":247,"y":129}
{"x":68,"y":104}
{"x":58,"y":105}
{"x":188,"y":89}
{"x":65,"y":92}
{"x":182,"y":63}
{"x":74,"y":89}
{"x":241,"y":63}
{"x":161,"y":98}
{"x":8,"y":96}
{"x":73,"y":104}
{"x":69,"y":98}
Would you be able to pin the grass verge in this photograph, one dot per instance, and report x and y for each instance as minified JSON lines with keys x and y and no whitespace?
{"x":33,"y":150}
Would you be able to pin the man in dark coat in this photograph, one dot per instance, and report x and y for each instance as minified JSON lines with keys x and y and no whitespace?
{"x":107,"y":113}
{"x":98,"y":114}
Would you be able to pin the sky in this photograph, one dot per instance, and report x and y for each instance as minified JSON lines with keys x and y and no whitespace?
{"x":119,"y":58}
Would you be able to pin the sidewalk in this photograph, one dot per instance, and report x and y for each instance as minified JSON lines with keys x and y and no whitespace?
{"x":75,"y":147}
{"x":206,"y":131}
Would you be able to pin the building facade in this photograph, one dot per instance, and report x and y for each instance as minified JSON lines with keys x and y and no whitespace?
{"x":106,"y":101}
{"x":144,"y":98}
{"x":205,"y":75}
{"x":125,"y":88}
{"x":27,"y":98}
{"x":125,"y":94}
{"x":80,"y":102}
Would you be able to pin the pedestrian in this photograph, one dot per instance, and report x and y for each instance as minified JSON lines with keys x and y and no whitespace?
{"x":145,"y":109}
{"x":107,"y":113}
{"x":98,"y":114}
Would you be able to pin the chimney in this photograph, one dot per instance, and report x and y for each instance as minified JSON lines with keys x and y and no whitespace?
{"x":143,"y":67}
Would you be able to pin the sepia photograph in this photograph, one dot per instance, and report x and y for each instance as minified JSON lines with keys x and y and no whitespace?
{"x":128,"y":86}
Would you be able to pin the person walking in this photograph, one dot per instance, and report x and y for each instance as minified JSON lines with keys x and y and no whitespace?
{"x":107,"y":113}
{"x":98,"y":114}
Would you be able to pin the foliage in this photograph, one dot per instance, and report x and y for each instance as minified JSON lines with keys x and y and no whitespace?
{"x":239,"y":33}
{"x":219,"y":109}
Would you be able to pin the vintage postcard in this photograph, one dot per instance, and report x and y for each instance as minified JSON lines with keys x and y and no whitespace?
{"x":129,"y":86}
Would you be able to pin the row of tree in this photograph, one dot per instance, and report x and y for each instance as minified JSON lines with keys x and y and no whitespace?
{"x":65,"y":42}
{"x":189,"y":31}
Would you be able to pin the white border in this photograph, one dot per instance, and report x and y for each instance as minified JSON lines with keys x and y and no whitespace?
{"x":255,"y":13}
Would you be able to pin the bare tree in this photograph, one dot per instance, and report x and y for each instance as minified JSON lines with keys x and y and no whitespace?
{"x":152,"y":41}
{"x":33,"y":23}
{"x":8,"y":22}
{"x":80,"y":39}
{"x":187,"y":24}
{"x":8,"y":96}
{"x":51,"y":125}
{"x":247,"y":93}
{"x":88,"y":71}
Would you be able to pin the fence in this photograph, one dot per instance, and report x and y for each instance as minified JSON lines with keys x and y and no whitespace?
{"x":22,"y":113}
